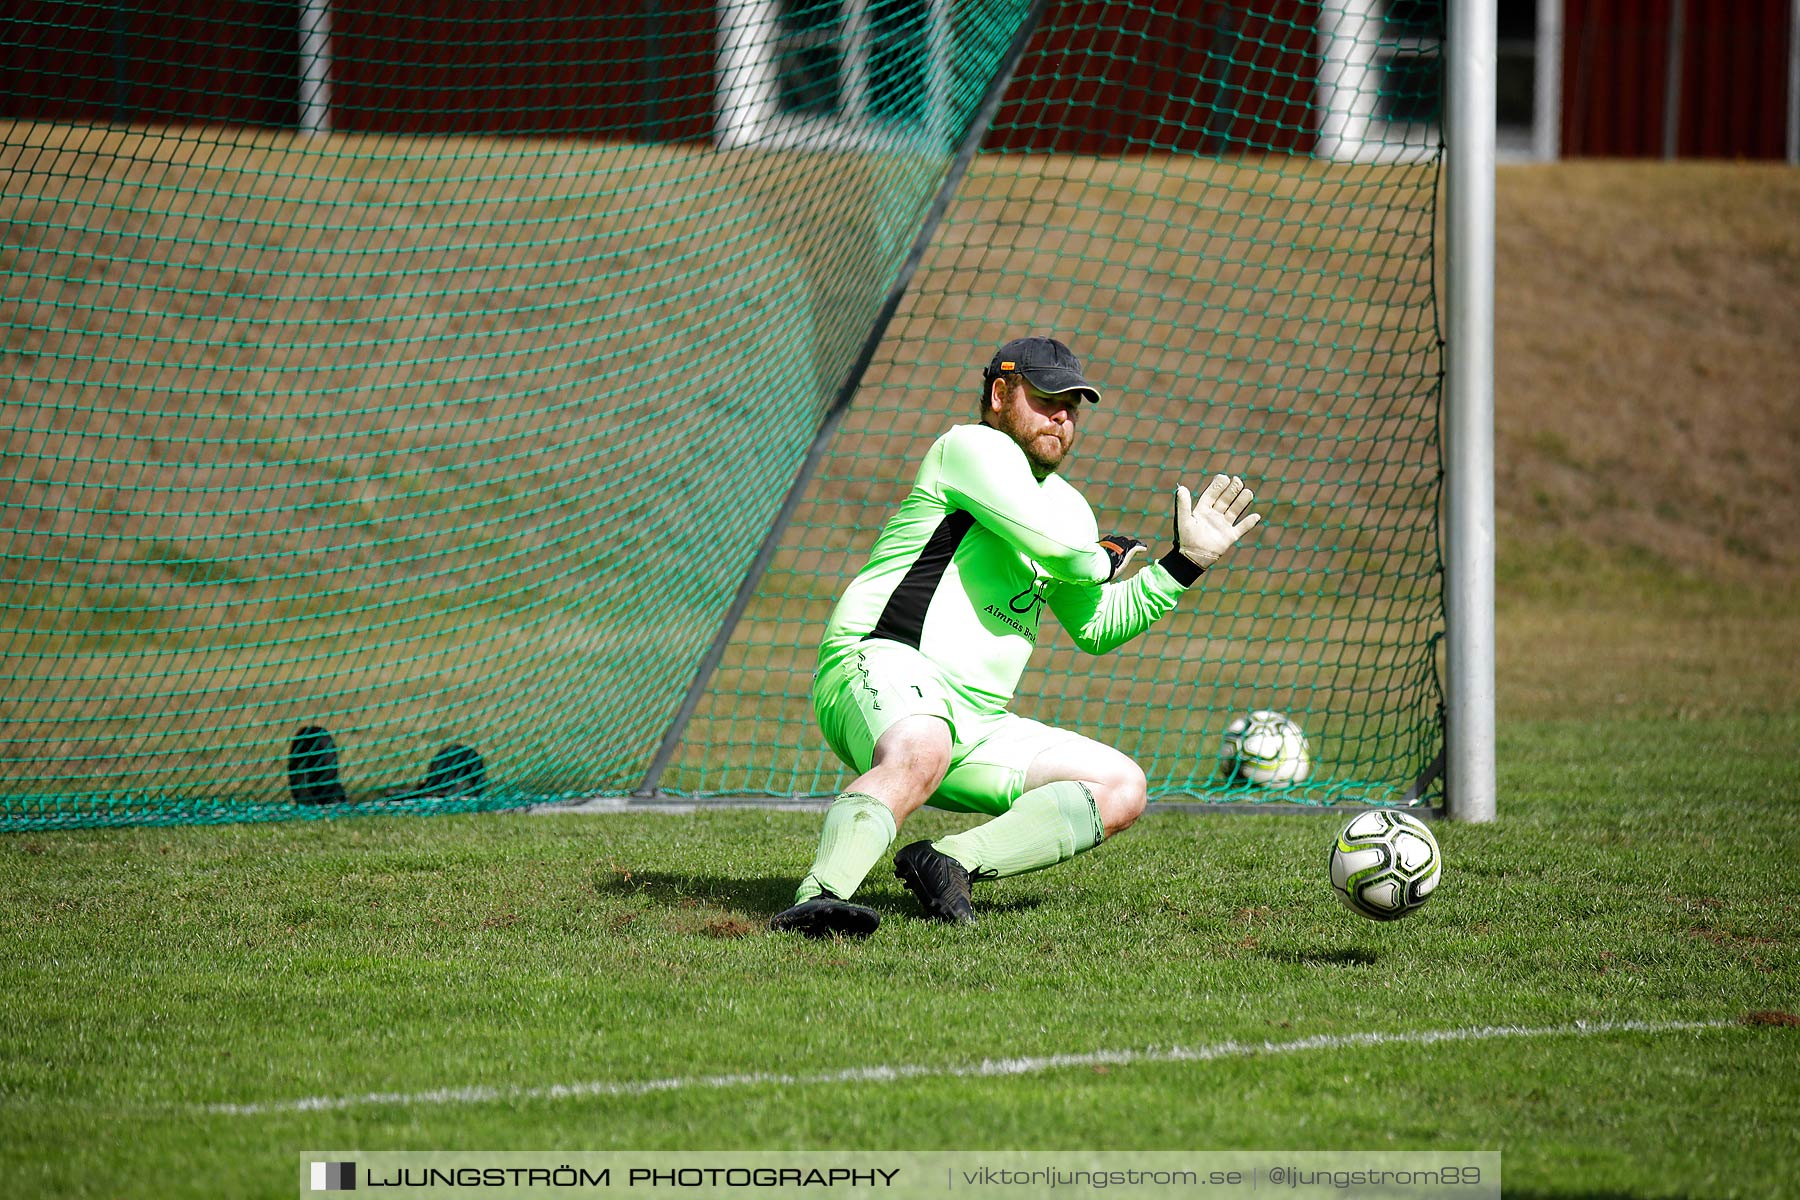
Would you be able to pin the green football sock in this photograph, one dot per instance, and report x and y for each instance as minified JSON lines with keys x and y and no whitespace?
{"x":858,"y":830}
{"x":1047,"y":825}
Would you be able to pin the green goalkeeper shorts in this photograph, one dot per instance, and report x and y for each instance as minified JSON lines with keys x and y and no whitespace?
{"x":859,"y":697}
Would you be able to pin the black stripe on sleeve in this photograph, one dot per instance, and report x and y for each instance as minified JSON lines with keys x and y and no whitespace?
{"x":903,"y":620}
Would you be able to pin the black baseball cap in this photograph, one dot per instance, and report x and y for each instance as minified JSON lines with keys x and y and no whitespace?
{"x":1046,"y":363}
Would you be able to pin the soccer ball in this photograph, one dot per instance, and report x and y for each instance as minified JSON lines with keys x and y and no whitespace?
{"x":1385,"y":864}
{"x":1266,"y":748}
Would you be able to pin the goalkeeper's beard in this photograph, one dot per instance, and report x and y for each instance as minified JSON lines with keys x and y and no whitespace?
{"x":1045,"y":449}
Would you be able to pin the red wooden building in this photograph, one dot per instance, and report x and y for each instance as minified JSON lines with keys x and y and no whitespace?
{"x":1677,"y":78}
{"x":1711,"y":78}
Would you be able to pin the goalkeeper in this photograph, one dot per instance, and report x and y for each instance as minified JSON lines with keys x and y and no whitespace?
{"x":925,"y":648}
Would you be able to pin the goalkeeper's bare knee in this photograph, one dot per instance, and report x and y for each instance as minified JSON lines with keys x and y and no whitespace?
{"x":1116,"y":782}
{"x":1121,"y":794}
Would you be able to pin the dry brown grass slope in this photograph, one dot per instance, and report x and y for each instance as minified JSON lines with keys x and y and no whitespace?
{"x":1648,"y":425}
{"x":1648,"y":364}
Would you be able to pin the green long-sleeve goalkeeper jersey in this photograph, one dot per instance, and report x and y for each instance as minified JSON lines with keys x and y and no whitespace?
{"x":967,"y":563}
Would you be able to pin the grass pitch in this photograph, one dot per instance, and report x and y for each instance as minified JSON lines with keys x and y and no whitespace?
{"x":219,"y":999}
{"x":187,"y":1009}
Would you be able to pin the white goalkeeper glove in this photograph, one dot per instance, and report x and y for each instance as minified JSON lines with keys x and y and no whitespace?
{"x":1207,"y":528}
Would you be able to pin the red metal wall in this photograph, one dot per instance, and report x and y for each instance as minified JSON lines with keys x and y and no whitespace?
{"x":632,"y":68}
{"x":149,"y":61}
{"x":1111,"y":76}
{"x":642,"y":69}
{"x":1733,"y":86}
{"x":1100,"y":77}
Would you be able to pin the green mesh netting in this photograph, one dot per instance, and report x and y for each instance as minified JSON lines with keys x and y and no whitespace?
{"x":433,"y":374}
{"x":1250,"y":308}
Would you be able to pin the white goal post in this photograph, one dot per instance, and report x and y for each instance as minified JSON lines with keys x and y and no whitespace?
{"x":1470,"y":783}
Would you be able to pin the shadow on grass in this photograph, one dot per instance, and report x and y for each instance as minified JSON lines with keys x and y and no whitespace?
{"x":1325,"y":958}
{"x":1016,"y":904}
{"x":766,"y":893}
{"x":769,"y":894}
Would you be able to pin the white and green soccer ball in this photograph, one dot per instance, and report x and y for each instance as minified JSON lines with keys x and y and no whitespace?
{"x":1385,"y":864}
{"x":1265,"y":748}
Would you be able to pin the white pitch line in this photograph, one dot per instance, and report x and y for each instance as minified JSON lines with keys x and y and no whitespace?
{"x":986,"y":1068}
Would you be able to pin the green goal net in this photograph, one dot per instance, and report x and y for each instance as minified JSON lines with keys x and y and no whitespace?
{"x":530,"y":377}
